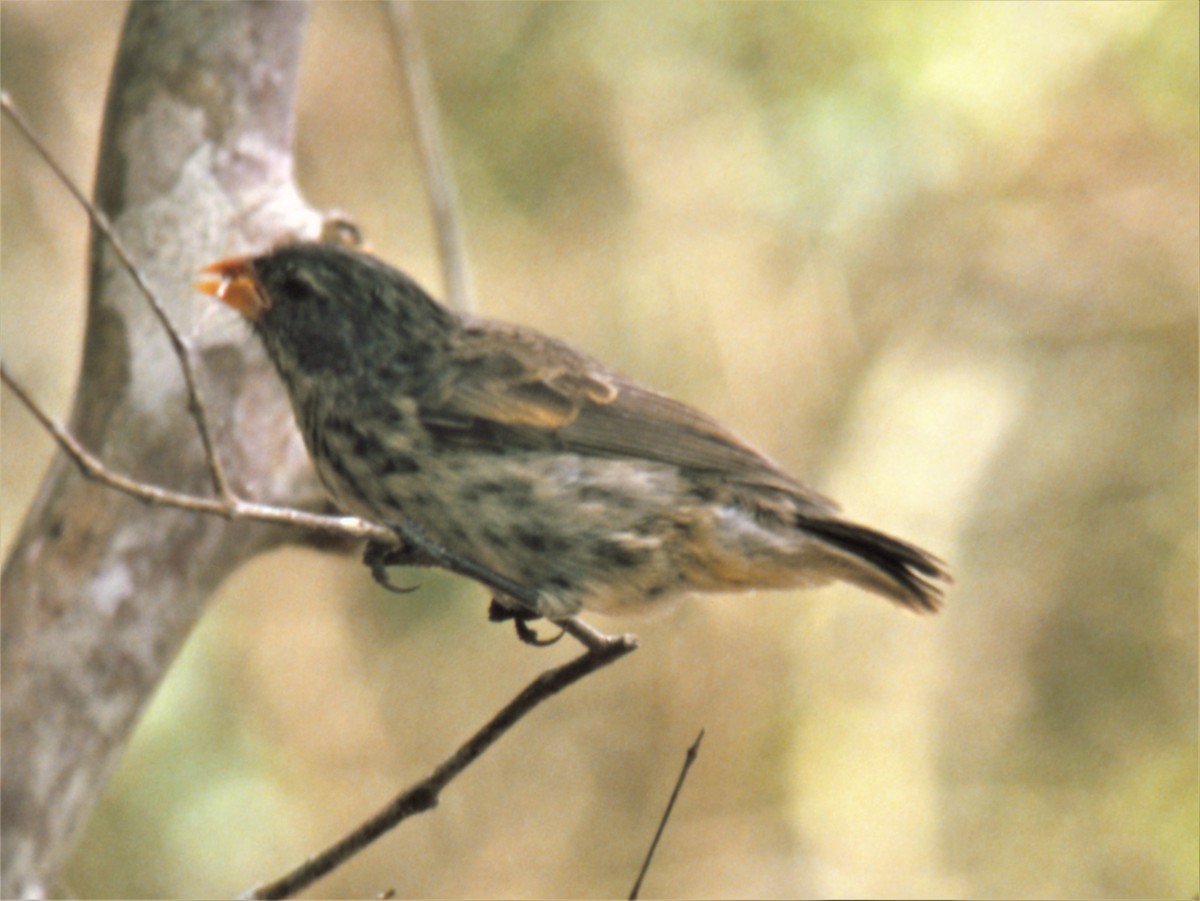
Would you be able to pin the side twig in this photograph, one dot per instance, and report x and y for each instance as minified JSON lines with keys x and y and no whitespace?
{"x":438,"y":182}
{"x":423,"y":796}
{"x":179,"y":345}
{"x":233,"y":507}
{"x":688,"y":760}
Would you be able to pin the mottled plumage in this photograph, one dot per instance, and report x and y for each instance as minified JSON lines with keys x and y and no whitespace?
{"x":515,"y":451}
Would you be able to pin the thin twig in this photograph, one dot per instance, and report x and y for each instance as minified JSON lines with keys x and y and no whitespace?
{"x":592,"y":639}
{"x":438,"y":182}
{"x":95,"y":469}
{"x":687,"y":765}
{"x":179,"y":345}
{"x":424,"y":795}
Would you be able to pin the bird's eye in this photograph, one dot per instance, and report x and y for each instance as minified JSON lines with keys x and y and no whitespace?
{"x":296,"y":287}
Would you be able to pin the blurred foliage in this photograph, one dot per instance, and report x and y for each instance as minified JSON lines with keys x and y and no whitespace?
{"x":942,"y":260}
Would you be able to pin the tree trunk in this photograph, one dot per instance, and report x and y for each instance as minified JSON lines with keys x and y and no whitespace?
{"x":100,"y":591}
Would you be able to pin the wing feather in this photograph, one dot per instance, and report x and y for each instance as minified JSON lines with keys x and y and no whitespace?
{"x":543,"y":393}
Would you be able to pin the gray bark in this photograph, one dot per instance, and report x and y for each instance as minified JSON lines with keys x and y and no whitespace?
{"x":100,"y":591}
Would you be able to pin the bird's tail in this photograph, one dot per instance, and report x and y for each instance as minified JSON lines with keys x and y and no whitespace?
{"x":881,"y":564}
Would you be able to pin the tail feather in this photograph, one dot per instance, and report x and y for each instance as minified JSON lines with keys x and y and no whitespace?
{"x":888,"y":566}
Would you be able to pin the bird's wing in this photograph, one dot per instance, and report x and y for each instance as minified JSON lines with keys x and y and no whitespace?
{"x":542,"y":393}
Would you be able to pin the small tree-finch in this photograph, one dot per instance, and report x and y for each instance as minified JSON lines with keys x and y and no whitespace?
{"x":531,"y":460}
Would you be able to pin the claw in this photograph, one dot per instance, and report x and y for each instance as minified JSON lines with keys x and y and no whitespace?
{"x":414,"y":549}
{"x":530,"y":637}
{"x":499,"y":612}
{"x":379,"y":574}
{"x":378,"y":557}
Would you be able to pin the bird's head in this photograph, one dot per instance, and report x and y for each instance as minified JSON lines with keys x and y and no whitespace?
{"x":321,"y":307}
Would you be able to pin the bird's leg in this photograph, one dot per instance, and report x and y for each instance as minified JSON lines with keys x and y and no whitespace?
{"x":499,"y":612}
{"x":417,"y":550}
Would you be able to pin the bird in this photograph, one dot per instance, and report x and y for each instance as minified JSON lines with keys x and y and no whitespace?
{"x":512,"y":457}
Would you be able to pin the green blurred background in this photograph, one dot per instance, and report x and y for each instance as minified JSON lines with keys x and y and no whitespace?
{"x":940,"y":260}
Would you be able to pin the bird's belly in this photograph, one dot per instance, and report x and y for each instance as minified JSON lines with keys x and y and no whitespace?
{"x":583,"y":532}
{"x":610,"y":535}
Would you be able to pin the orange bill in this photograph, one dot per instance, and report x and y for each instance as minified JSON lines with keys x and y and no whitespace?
{"x":232,"y":282}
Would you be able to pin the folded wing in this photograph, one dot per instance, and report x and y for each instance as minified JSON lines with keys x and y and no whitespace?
{"x":542,"y":393}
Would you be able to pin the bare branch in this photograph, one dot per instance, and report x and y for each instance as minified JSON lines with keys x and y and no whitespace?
{"x":232,"y":507}
{"x":179,"y":345}
{"x":590,"y":638}
{"x":688,"y":760}
{"x":423,"y":796}
{"x":438,"y":182}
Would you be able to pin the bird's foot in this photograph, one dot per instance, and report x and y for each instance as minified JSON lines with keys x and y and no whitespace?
{"x":498,"y":612}
{"x":414,"y":549}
